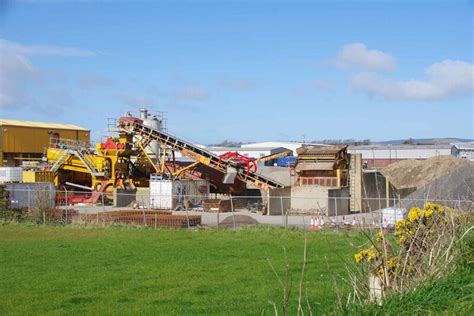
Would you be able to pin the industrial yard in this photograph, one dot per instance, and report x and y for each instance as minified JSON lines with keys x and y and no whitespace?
{"x":236,"y":158}
{"x":143,"y":167}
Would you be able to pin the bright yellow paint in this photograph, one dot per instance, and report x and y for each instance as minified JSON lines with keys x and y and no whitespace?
{"x":31,"y":176}
{"x":19,"y":139}
{"x":112,"y":162}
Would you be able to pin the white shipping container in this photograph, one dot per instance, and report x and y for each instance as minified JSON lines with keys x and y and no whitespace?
{"x":169,"y":194}
{"x":392,"y":215}
{"x":11,"y":174}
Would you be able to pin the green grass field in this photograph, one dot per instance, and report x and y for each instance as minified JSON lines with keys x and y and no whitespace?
{"x":53,"y":270}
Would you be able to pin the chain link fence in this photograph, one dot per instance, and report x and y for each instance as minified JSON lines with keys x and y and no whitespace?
{"x":45,"y":204}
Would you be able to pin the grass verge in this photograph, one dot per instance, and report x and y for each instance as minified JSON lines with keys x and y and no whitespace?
{"x":117,"y":270}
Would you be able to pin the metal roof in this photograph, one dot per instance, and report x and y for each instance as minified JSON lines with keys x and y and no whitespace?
{"x":398,"y":147}
{"x":41,"y":125}
{"x":469,"y":145}
{"x":245,"y":148}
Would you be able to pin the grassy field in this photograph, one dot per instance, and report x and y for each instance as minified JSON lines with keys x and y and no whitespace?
{"x":48,"y":269}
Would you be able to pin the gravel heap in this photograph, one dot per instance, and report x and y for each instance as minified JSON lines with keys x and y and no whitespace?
{"x":454,"y":189}
{"x":419,"y":173}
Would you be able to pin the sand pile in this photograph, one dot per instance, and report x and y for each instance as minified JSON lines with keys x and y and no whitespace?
{"x":418,"y":173}
{"x":454,"y":190}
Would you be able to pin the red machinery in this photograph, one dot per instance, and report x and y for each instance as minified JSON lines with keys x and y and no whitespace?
{"x":239,"y":160}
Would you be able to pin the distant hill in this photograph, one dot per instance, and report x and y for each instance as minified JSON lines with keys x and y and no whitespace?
{"x":427,"y":141}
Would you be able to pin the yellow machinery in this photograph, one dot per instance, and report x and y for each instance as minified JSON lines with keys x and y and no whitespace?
{"x":31,"y":176}
{"x":270,"y":157}
{"x":109,"y":167}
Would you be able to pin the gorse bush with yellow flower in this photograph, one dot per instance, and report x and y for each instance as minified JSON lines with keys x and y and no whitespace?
{"x":422,"y":247}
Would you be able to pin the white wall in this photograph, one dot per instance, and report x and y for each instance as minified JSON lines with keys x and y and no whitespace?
{"x":397,"y":153}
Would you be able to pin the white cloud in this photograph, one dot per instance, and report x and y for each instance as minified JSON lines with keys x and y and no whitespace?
{"x":445,"y":79}
{"x":17,"y":72}
{"x":357,"y":56}
{"x":44,"y":50}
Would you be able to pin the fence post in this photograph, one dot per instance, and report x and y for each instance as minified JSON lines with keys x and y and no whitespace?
{"x":65,"y":200}
{"x":103,"y":205}
{"x":218,"y":211}
{"x":285,"y":224}
{"x":187,"y":215}
{"x":29,"y":202}
{"x":232,"y":209}
{"x":335,"y":206}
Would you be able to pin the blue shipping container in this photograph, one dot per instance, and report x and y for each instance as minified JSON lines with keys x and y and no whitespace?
{"x":285,"y":161}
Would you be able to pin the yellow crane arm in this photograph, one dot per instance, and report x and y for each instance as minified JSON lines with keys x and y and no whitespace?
{"x":274,"y":156}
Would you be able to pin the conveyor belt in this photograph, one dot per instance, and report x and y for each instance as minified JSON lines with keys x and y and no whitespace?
{"x":136,"y":127}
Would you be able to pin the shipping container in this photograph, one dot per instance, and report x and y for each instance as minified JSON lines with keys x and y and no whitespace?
{"x":30,"y":195}
{"x":285,"y":161}
{"x":11,"y":174}
{"x":169,"y":194}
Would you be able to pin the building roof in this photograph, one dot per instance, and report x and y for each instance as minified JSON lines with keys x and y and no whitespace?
{"x":286,"y":144}
{"x":398,"y":147}
{"x":41,"y":125}
{"x":469,"y":145}
{"x":256,"y":149}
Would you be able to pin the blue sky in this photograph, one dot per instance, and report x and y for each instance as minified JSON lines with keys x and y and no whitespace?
{"x":249,"y":71}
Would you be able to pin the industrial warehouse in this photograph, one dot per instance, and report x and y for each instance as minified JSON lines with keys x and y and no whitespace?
{"x":143,"y":166}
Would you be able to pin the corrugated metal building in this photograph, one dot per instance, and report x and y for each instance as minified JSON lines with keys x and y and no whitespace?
{"x":384,"y":155}
{"x":290,"y":145}
{"x":463,"y":150}
{"x":26,"y":140}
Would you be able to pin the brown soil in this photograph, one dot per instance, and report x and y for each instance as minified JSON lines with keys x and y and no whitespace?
{"x":418,"y":173}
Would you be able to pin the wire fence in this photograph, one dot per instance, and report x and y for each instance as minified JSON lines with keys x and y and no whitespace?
{"x":47,"y":204}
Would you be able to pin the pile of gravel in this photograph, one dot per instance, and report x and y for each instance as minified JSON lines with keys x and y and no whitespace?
{"x":419,"y":173}
{"x":454,"y":189}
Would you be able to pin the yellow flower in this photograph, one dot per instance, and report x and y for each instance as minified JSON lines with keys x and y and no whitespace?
{"x":371,"y":256}
{"x":358,"y":257}
{"x":380,"y":236}
{"x":415,"y":214}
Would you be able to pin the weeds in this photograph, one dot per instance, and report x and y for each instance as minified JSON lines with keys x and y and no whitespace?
{"x":425,"y":247}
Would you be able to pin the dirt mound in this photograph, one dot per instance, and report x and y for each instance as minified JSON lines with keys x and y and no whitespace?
{"x":454,"y":190}
{"x":418,"y":173}
{"x":239,"y":221}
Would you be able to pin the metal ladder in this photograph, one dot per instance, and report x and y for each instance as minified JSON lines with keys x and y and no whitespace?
{"x":61,"y":159}
{"x":87,"y":163}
